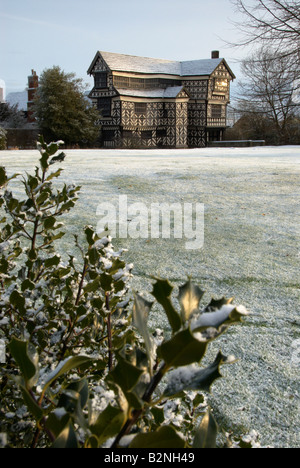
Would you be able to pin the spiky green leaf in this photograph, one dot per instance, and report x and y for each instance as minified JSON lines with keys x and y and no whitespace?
{"x":141,"y":309}
{"x":66,"y":439}
{"x":165,"y":437}
{"x":65,"y":366}
{"x":108,"y":424}
{"x":182,"y":349}
{"x":189,"y":298}
{"x":195,"y":378}
{"x":162,"y":291}
{"x":206,"y":435}
{"x":27,"y":359}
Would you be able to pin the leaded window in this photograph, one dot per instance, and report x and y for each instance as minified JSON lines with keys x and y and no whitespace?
{"x":216,"y":111}
{"x":126,"y":82}
{"x":104,"y":106}
{"x":221,"y":85}
{"x":140,"y":108}
{"x":101,"y":80}
{"x":121,"y":81}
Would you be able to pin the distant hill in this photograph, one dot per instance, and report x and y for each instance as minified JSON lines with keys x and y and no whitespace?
{"x":19,"y":98}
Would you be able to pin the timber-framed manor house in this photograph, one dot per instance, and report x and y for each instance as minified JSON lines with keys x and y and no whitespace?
{"x":153,"y":103}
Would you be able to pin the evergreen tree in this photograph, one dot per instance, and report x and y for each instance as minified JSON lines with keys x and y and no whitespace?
{"x":62,"y":110}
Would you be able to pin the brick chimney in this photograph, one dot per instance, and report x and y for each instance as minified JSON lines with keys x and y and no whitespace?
{"x":33,"y":83}
{"x":215,"y":54}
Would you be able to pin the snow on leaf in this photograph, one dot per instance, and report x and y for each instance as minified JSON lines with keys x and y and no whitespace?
{"x":195,"y":378}
{"x":63,"y":367}
{"x":227,"y":313}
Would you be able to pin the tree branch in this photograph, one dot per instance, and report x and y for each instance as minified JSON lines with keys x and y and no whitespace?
{"x":136,"y":414}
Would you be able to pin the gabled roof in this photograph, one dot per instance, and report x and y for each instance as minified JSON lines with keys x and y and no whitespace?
{"x":146,"y":65}
{"x":199,"y":67}
{"x":120,"y":62}
{"x":171,"y":92}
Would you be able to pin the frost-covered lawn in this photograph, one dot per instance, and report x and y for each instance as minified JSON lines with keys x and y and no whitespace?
{"x":251,"y":252}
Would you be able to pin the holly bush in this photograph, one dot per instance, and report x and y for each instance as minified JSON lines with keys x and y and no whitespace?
{"x":79,"y":365}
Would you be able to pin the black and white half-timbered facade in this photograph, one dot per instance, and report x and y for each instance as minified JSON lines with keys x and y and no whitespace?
{"x":145,"y":102}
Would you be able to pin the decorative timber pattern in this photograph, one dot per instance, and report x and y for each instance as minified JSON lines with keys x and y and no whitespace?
{"x":153,"y":103}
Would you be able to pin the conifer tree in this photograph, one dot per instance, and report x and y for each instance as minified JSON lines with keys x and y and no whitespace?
{"x":62,"y":110}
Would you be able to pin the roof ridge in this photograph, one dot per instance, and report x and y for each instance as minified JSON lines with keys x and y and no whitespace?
{"x":157,"y":59}
{"x":146,"y":65}
{"x":139,"y":57}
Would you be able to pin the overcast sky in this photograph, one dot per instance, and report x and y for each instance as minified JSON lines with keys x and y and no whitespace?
{"x":37,"y":34}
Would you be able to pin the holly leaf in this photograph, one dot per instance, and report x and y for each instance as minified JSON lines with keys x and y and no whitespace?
{"x":206,"y":435}
{"x":32,"y":405}
{"x":66,"y":439}
{"x":59,"y":158}
{"x":162,"y":291}
{"x":18,"y":301}
{"x":189,"y":298}
{"x":195,"y":378}
{"x":27,"y":359}
{"x":65,"y":366}
{"x":141,"y":309}
{"x":108,"y":424}
{"x":165,"y":437}
{"x":57,"y":421}
{"x":182,"y":349}
{"x":125,"y":375}
{"x":54,"y":174}
{"x":226,"y":315}
{"x":53,"y":261}
{"x":3,"y":176}
{"x":216,"y":304}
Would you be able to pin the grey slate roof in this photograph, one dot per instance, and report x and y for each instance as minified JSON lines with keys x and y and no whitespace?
{"x":170,"y":92}
{"x":199,"y":67}
{"x":146,"y":65}
{"x":120,"y":62}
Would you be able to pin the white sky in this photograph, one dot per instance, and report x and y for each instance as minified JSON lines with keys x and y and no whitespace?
{"x":37,"y":34}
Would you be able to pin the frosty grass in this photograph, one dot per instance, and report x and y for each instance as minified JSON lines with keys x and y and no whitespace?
{"x":251,"y":252}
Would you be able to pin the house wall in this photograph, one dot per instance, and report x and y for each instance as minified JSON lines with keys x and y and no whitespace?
{"x":166,"y":122}
{"x":218,"y":95}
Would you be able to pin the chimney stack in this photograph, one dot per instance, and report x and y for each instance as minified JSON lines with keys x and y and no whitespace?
{"x":33,"y":83}
{"x":215,"y":54}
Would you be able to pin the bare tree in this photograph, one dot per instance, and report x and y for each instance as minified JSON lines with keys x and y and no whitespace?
{"x":268,"y":91}
{"x":274,"y":23}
